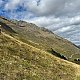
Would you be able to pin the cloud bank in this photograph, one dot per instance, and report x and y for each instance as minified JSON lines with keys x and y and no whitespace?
{"x":60,"y":16}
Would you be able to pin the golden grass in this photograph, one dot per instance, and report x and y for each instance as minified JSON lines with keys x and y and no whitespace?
{"x":21,"y":61}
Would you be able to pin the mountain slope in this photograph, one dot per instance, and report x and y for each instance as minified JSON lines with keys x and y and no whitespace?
{"x":24,"y":53}
{"x":21,"y":61}
{"x":42,"y":38}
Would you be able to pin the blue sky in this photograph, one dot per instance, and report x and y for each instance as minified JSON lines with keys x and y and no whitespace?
{"x":60,"y":16}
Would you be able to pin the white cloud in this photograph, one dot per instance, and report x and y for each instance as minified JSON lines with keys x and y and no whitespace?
{"x":63,"y":29}
{"x":45,"y":21}
{"x":54,"y":7}
{"x":12,"y":4}
{"x":1,"y":2}
{"x":45,"y":7}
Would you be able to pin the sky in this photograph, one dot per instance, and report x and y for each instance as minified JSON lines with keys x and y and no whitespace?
{"x":60,"y":16}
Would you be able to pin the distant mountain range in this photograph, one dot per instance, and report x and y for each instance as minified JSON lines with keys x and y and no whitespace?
{"x":28,"y":52}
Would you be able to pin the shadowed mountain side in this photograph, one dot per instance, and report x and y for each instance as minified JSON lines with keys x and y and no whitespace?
{"x":6,"y":27}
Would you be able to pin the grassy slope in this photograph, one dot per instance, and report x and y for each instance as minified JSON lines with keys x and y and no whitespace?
{"x":43,"y":39}
{"x":20,"y":61}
